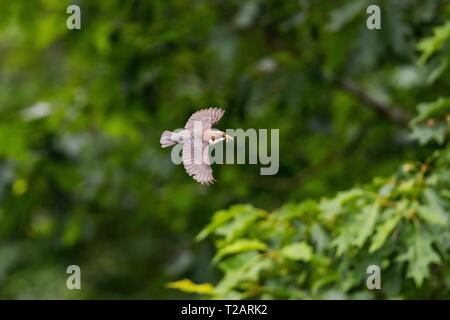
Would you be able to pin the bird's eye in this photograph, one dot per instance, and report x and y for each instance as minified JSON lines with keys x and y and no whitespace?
{"x":213,"y":138}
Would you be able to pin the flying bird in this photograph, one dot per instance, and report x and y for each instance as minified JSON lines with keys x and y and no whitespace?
{"x":195,"y":138}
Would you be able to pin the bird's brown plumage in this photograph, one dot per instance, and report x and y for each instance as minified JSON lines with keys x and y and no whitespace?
{"x":208,"y":117}
{"x":195,"y":155}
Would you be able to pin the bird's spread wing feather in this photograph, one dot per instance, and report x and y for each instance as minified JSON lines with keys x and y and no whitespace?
{"x":195,"y":164}
{"x":208,"y":117}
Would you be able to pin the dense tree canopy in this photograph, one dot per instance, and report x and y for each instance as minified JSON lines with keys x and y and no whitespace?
{"x":364,"y":160}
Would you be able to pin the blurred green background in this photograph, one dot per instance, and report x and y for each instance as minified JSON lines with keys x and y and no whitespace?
{"x":83,"y":179}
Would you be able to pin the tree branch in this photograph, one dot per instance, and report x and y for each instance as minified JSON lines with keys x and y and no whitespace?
{"x":393,"y":113}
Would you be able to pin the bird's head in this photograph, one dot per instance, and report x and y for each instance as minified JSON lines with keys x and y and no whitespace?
{"x":217,"y":136}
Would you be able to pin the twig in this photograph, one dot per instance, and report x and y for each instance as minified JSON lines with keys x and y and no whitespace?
{"x":393,"y":113}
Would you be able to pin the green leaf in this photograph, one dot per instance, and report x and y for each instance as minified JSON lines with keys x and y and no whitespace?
{"x":344,"y":240}
{"x":334,"y":206}
{"x":438,"y":71}
{"x":430,"y":45}
{"x":240,"y":245}
{"x":433,"y":212}
{"x":420,"y":255}
{"x":319,"y":237}
{"x":432,"y":216}
{"x":383,"y":231}
{"x":436,"y":126}
{"x":188,"y":286}
{"x":425,"y":134}
{"x":219,"y":218}
{"x":369,"y":216}
{"x":297,"y":251}
{"x":247,"y":271}
{"x":231,"y":221}
{"x":434,"y":109}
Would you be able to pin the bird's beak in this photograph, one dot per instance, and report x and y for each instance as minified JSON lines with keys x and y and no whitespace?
{"x":228,"y":138}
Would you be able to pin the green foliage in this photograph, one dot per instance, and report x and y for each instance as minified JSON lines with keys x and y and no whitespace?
{"x":83,"y":179}
{"x":432,"y":122}
{"x":321,"y":249}
{"x":431,"y":45}
{"x":187,"y":285}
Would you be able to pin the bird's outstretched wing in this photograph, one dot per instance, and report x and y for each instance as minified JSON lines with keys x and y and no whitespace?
{"x":195,"y":164}
{"x":208,"y":117}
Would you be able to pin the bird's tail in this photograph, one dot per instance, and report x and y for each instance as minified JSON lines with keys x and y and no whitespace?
{"x":166,"y":140}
